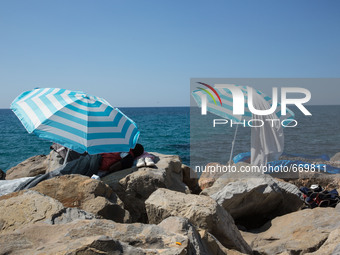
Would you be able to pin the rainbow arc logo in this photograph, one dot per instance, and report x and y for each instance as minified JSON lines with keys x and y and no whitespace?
{"x":209,"y":93}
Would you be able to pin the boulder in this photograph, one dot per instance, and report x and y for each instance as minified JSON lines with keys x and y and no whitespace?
{"x":35,"y":165}
{"x":331,"y":246}
{"x":203,"y":212}
{"x":26,"y":207}
{"x":336,"y":251}
{"x":85,"y":193}
{"x":53,"y":161}
{"x":336,"y":157}
{"x":99,"y":237}
{"x":255,"y":198}
{"x":113,"y":179}
{"x":222,"y":177}
{"x":214,"y":246}
{"x":202,"y":242}
{"x":134,"y":186}
{"x":184,"y":227}
{"x":208,"y":178}
{"x":297,"y":233}
{"x":28,"y":168}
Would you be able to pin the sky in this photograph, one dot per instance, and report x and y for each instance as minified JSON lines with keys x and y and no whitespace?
{"x":144,"y":52}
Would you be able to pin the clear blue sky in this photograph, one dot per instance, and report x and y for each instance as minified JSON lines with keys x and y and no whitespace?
{"x":144,"y":52}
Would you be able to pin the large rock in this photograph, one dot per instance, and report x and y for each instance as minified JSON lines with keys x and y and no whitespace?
{"x":85,"y":193}
{"x":331,"y":246}
{"x":214,"y":246}
{"x":297,"y":233}
{"x":26,"y":207}
{"x":28,"y":168}
{"x":203,"y":212}
{"x":101,"y":237}
{"x":183,"y":226}
{"x":34,"y":166}
{"x":336,"y":251}
{"x":209,"y":176}
{"x":33,"y":223}
{"x":255,"y":198}
{"x":201,"y":242}
{"x":53,"y":161}
{"x":134,"y":186}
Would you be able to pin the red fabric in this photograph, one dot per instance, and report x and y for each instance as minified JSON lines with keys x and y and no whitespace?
{"x":109,"y":159}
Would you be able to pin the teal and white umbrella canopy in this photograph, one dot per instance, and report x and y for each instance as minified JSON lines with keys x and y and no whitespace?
{"x":78,"y":121}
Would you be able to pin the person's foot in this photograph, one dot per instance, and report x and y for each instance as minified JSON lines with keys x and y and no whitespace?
{"x":140,"y":162}
{"x":149,"y":162}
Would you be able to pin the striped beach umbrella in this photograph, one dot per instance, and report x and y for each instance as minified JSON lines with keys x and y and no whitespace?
{"x":75,"y":120}
{"x":220,"y":102}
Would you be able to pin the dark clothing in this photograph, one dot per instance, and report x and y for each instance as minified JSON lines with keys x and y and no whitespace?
{"x":127,"y":161}
{"x":85,"y":165}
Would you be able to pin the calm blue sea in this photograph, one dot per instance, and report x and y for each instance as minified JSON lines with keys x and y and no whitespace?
{"x":164,"y":130}
{"x":167,"y":130}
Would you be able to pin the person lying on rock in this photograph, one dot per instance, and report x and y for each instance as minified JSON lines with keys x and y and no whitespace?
{"x":88,"y":165}
{"x":116,"y":161}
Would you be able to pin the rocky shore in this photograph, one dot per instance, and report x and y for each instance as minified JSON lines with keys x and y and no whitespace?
{"x":165,"y":210}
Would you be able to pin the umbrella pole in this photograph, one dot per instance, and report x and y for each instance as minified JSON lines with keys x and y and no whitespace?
{"x":66,"y":157}
{"x":233,"y":143}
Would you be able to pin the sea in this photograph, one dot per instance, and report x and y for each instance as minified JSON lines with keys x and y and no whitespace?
{"x":167,"y":130}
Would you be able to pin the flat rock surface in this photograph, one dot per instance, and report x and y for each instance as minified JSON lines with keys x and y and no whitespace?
{"x":26,"y":207}
{"x":98,"y":237}
{"x":85,"y":193}
{"x":296,"y":233}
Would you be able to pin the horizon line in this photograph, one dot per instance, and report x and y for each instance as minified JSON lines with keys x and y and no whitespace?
{"x":186,"y":106}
